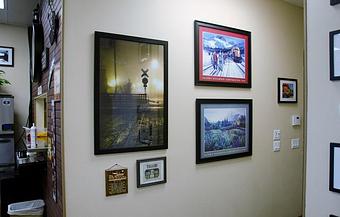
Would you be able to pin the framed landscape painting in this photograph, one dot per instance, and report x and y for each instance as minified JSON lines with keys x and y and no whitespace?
{"x":223,"y":129}
{"x":286,"y":90}
{"x":334,"y":55}
{"x":222,"y":56}
{"x":130,"y":94}
{"x":334,"y":168}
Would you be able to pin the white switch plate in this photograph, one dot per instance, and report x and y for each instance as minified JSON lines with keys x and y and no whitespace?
{"x":276,"y":146}
{"x":276,"y":134}
{"x":295,"y":143}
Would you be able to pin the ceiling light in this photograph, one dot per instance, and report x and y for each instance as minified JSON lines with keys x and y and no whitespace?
{"x":2,"y":4}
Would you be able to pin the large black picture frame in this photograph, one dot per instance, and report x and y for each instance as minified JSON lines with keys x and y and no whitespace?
{"x":238,"y":56}
{"x":334,"y":2}
{"x":332,"y":157}
{"x":228,"y":120}
{"x":125,"y":110}
{"x":334,"y":73}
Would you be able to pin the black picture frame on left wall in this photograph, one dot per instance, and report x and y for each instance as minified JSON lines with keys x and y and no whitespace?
{"x":6,"y":56}
{"x":334,"y":2}
{"x":130,"y":94}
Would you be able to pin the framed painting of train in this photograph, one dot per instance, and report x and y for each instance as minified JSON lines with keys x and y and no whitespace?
{"x":223,"y":129}
{"x":222,"y":56}
{"x":334,"y":55}
{"x":130,"y":94}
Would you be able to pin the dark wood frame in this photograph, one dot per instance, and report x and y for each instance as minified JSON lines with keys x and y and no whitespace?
{"x":199,"y":102}
{"x":331,"y":55}
{"x":334,"y":2}
{"x":198,"y":82}
{"x":12,"y":49}
{"x":279,"y":93}
{"x":331,"y":167}
{"x":97,"y":37}
{"x":138,"y":163}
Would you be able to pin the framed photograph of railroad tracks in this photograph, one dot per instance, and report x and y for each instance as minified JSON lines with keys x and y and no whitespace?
{"x":222,"y":56}
{"x":334,"y":55}
{"x":334,"y":168}
{"x":130,"y":94}
{"x":223,"y":129}
{"x":151,"y":172}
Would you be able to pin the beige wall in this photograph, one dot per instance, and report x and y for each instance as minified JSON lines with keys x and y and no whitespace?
{"x":13,"y":36}
{"x":265,"y":185}
{"x":323,"y":109}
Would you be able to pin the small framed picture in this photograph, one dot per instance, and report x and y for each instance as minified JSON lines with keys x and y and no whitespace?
{"x":334,"y":55}
{"x":334,"y":168}
{"x":222,"y":56}
{"x":287,"y":90}
{"x":6,"y":56}
{"x":151,"y":172}
{"x":223,"y":129}
{"x":335,"y":2}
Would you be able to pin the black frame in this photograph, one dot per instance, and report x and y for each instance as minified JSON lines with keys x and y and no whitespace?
{"x":331,"y":167}
{"x":138,"y":163}
{"x":199,"y":102}
{"x":279,"y":93}
{"x":335,"y":2}
{"x":331,"y":55}
{"x":12,"y":49}
{"x":97,"y":37}
{"x":198,"y":82}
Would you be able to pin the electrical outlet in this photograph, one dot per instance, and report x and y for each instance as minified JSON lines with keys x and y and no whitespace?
{"x":295,"y":143}
{"x":276,"y":146}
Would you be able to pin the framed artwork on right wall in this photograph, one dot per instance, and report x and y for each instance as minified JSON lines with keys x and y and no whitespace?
{"x":334,"y":55}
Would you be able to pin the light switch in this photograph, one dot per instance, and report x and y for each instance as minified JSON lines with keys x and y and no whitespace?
{"x":295,"y":143}
{"x":276,"y":134}
{"x":276,"y":146}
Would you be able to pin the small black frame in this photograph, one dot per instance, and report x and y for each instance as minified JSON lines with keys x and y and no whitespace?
{"x":248,"y":129}
{"x":335,"y":2}
{"x":138,"y":164}
{"x":331,"y":167}
{"x":228,"y":54}
{"x":333,"y":77}
{"x":10,"y":49}
{"x":279,"y":93}
{"x":98,"y":94}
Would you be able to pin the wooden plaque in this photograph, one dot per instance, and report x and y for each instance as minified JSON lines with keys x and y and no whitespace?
{"x":116,"y":179}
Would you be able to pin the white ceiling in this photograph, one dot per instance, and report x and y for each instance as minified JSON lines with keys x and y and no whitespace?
{"x":295,"y":2}
{"x":18,"y":12}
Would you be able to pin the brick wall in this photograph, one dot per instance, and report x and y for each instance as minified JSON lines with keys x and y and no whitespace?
{"x":53,"y":209}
